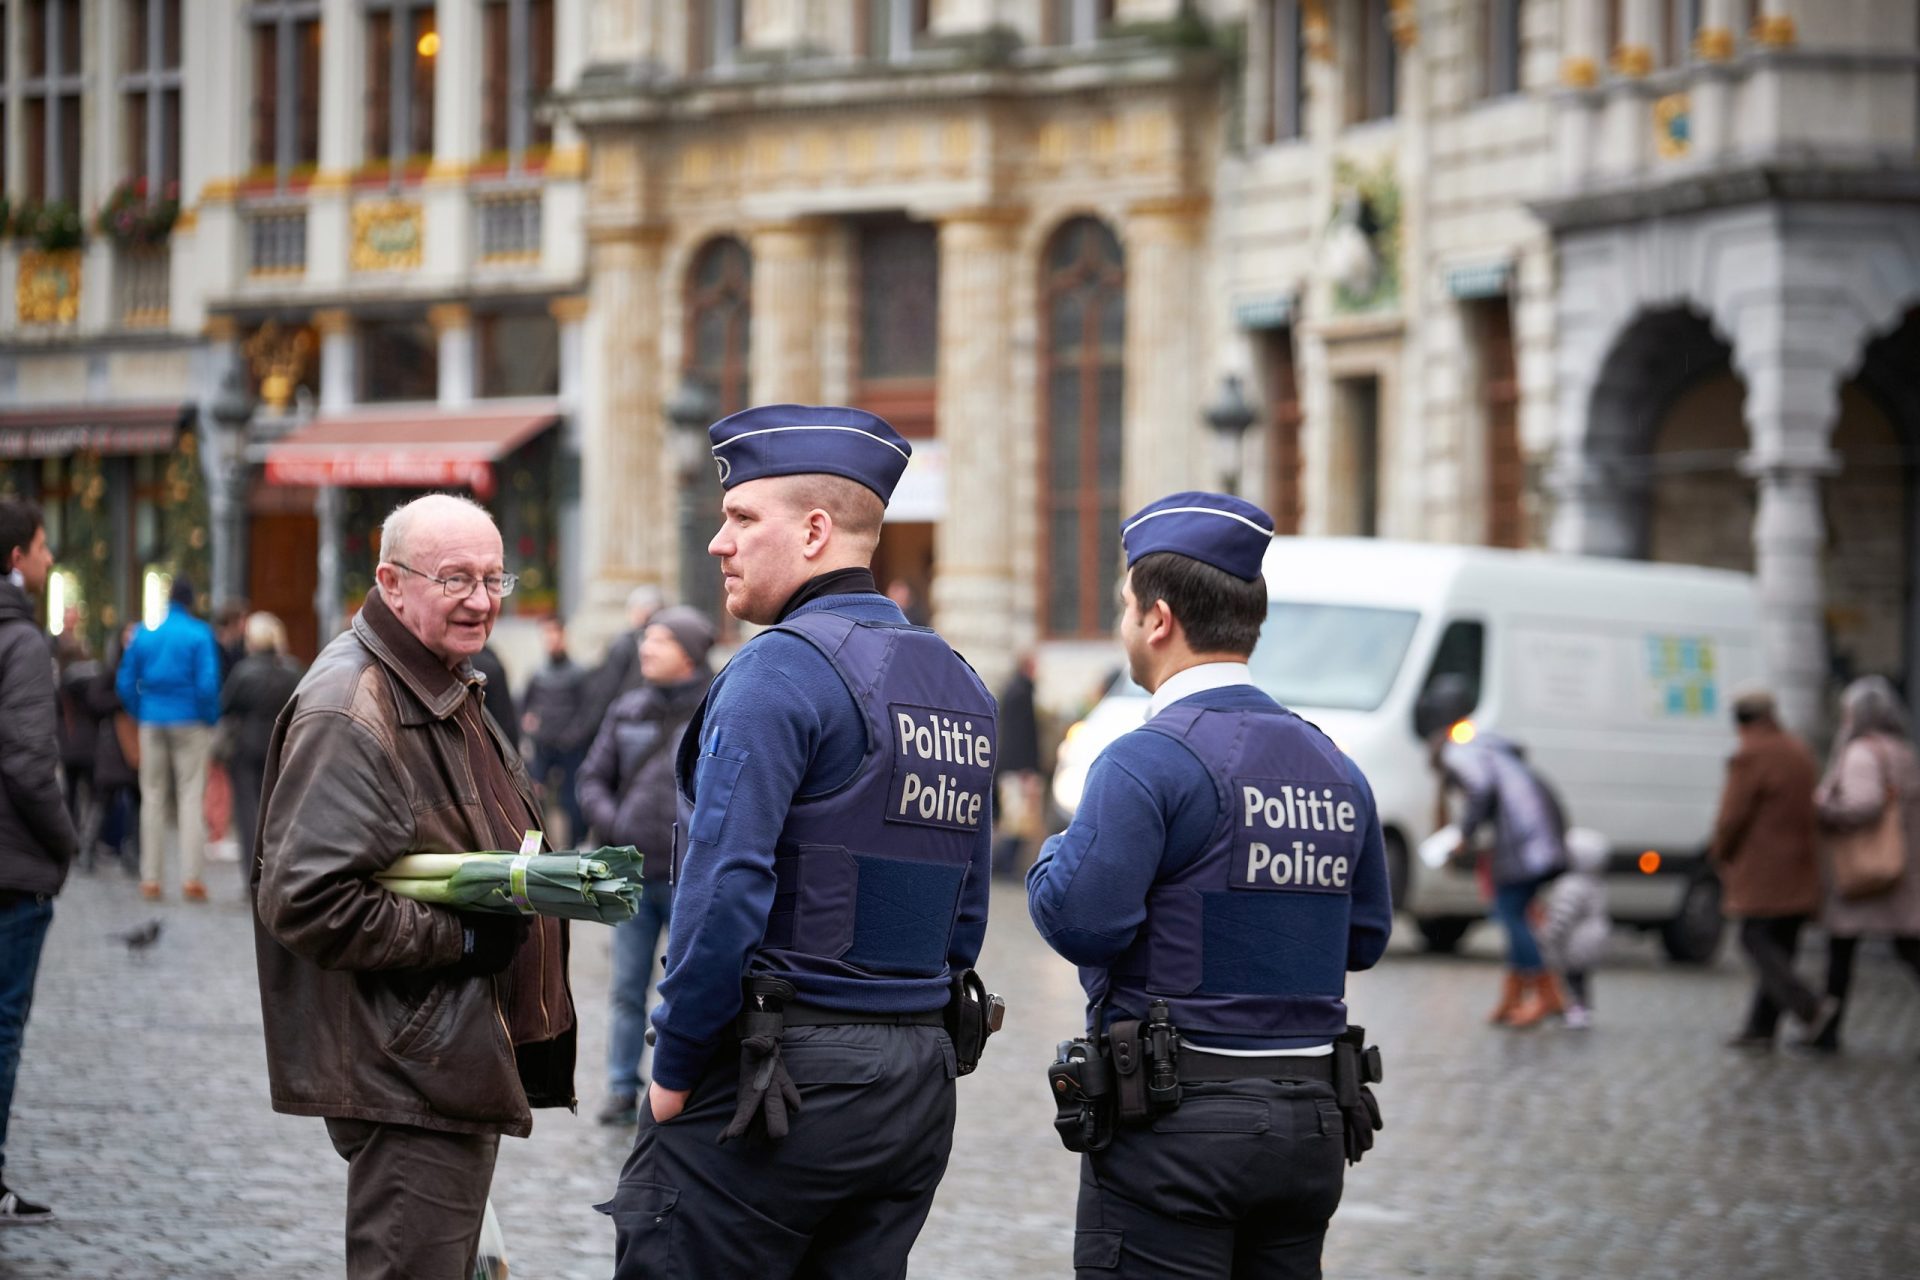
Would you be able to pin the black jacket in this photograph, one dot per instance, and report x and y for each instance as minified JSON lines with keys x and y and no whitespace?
{"x":37,"y":842}
{"x":625,"y":785}
{"x":553,"y":702}
{"x":499,"y":698}
{"x":252,"y":698}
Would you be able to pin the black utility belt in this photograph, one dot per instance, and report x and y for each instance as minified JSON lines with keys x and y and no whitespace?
{"x":1198,"y":1067}
{"x":798,"y":1013}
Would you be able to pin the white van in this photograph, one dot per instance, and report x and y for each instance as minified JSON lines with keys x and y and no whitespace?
{"x":1615,"y":676}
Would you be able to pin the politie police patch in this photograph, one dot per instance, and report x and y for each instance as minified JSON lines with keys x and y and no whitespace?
{"x":1293,"y":836}
{"x":942,"y":767}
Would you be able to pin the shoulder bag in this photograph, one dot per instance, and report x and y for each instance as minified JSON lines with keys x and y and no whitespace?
{"x":1869,"y":860}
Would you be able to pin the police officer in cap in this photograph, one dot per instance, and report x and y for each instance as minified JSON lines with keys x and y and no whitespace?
{"x":1223,"y":873}
{"x":831,"y":877}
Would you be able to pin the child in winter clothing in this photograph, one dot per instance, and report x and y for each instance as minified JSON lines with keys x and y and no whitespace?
{"x":1574,"y":935}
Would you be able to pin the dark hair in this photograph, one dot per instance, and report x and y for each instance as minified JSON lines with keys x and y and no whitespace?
{"x":1219,"y":612}
{"x":18,"y":523}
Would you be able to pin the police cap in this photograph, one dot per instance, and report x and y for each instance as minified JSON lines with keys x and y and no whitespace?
{"x":1229,"y":533}
{"x":806,"y":439}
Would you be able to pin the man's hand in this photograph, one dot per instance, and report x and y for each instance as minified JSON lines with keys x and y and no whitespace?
{"x":666,"y":1103}
{"x":488,"y":942}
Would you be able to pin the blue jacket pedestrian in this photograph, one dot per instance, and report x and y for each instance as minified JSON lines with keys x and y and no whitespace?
{"x":171,"y":673}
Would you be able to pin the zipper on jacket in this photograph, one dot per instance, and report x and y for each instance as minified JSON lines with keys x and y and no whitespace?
{"x":540,"y":985}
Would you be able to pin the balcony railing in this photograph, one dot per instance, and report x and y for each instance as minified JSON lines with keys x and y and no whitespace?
{"x":145,"y":286}
{"x":276,"y":240}
{"x":507,"y":224}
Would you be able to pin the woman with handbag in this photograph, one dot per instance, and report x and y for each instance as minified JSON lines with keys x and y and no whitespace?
{"x":1869,"y":808}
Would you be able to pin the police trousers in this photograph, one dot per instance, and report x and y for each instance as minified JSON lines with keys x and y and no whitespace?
{"x":1239,"y":1181}
{"x":843,"y":1195}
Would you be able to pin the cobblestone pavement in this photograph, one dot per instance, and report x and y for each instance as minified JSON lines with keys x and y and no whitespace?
{"x":1640,"y":1148}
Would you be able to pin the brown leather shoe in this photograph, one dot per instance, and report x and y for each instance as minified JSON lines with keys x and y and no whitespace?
{"x":1536,"y":1001}
{"x":1509,"y":999}
{"x":193,"y":891}
{"x":150,"y":890}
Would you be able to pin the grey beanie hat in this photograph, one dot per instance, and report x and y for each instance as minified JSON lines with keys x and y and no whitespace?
{"x":691,"y":629}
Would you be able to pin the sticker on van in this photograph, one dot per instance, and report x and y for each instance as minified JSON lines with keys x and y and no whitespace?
{"x":1683,"y":677}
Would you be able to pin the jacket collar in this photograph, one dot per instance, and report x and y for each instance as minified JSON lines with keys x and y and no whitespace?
{"x":14,"y":604}
{"x":437,"y":690}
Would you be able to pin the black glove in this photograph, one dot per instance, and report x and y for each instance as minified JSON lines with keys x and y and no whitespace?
{"x":764,"y":1086}
{"x":1361,"y":1124}
{"x":488,"y":941}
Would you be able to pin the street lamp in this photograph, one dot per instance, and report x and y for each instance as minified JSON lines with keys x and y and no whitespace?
{"x":1229,"y":415}
{"x":231,"y":409}
{"x":689,"y":411}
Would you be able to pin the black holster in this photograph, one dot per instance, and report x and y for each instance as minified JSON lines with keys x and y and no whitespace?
{"x":1146,"y":1065}
{"x":1356,"y":1064}
{"x":1081,"y":1082}
{"x":972,"y":1015}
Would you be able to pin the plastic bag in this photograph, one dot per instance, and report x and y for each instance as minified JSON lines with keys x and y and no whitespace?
{"x":490,"y":1263}
{"x":1442,"y":847}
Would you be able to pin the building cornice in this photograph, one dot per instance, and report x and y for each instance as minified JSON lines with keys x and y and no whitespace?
{"x":1699,"y":190}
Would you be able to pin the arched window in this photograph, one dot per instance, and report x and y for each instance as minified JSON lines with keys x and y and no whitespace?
{"x":1083,"y":313}
{"x":719,"y":328}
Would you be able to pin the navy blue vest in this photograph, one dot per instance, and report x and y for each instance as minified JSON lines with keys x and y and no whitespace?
{"x":869,"y":876}
{"x":1250,"y":938}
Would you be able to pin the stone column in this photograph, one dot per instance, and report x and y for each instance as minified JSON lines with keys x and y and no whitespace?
{"x":459,"y":372}
{"x":329,"y":507}
{"x":786,"y":311}
{"x":624,"y":464}
{"x":339,"y":373}
{"x":1711,"y":106}
{"x":973,"y":587}
{"x":1577,"y":111}
{"x":223,"y":457}
{"x":570,"y":313}
{"x":456,"y":139}
{"x":1628,"y":131}
{"x":329,"y":224}
{"x":1164,"y":349}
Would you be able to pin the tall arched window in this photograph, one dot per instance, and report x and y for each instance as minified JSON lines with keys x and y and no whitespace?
{"x":1083,"y":312}
{"x":719,"y":327}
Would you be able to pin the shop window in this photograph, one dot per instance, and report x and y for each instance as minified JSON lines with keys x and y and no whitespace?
{"x":524,"y":506}
{"x":519,"y":354}
{"x":399,"y":360}
{"x":516,"y":72}
{"x":1083,"y":318}
{"x":286,"y":86}
{"x":403,"y":46}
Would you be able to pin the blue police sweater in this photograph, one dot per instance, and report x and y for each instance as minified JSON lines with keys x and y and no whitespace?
{"x":1148,"y":810}
{"x":781,"y":725}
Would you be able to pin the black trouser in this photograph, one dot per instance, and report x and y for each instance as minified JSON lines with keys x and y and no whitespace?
{"x":416,"y":1199}
{"x":843,"y":1195}
{"x":1840,"y":953}
{"x":1239,"y":1181}
{"x":1770,"y":942}
{"x":1577,"y":987}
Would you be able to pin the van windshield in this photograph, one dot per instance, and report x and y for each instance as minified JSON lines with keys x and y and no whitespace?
{"x":1341,"y":657}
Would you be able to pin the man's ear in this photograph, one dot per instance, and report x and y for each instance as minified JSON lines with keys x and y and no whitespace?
{"x":1160,"y":623}
{"x":819,"y":532}
{"x":387,"y":578}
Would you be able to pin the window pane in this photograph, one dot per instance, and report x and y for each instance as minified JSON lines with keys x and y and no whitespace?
{"x":425,"y":56}
{"x":399,"y":360}
{"x":170,"y":34}
{"x":1112,"y":382}
{"x":899,"y":300}
{"x":169,"y":141}
{"x":134,"y":41}
{"x":134,"y":158}
{"x":539,"y":68}
{"x":1063,"y":430}
{"x":1063,"y":571}
{"x":377,"y":141}
{"x":1106,"y":558}
{"x":266,"y":80}
{"x":495,"y":47}
{"x":520,"y":355}
{"x":36,"y":132}
{"x":70,"y":37}
{"x":35,"y":36}
{"x":1069,"y":327}
{"x":69,"y":184}
{"x":306,"y":125}
{"x":1113,"y":326}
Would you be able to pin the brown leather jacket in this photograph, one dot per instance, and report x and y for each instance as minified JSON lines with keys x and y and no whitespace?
{"x":372,"y":760}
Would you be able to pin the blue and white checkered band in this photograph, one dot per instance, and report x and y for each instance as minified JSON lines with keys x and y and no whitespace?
{"x":724,"y":467}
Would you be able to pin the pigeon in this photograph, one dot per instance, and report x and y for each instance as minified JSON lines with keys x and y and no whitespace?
{"x":140,"y":937}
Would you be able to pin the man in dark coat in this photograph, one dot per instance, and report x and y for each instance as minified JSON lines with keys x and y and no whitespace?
{"x":36,"y":836}
{"x":1018,"y":819}
{"x":549,"y":717}
{"x":1764,"y":851}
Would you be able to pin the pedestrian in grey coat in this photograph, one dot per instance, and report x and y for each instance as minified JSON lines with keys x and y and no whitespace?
{"x":1873,"y":765}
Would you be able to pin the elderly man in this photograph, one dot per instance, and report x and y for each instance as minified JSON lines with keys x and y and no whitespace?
{"x":836,"y":859}
{"x":421,"y":1034}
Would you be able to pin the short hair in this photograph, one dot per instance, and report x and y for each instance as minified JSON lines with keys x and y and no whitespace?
{"x":1753,"y":706}
{"x":265,"y":633}
{"x":1219,"y":612}
{"x":19,"y":521}
{"x":857,"y":511}
{"x":397,"y":529}
{"x":229,"y":613}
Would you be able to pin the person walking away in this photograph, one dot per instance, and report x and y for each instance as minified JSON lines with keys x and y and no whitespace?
{"x":1575,"y":924}
{"x":619,"y":669}
{"x":1501,"y":790}
{"x":831,"y":894}
{"x":1020,"y":819}
{"x":1763,"y":852}
{"x":550,"y":720}
{"x":37,"y":841}
{"x":1873,"y":765}
{"x":169,"y":682}
{"x":1197,"y":891}
{"x":116,"y":760}
{"x":230,"y":636}
{"x":626,"y":787}
{"x":260,"y":687}
{"x":76,"y":730}
{"x":419,"y":1033}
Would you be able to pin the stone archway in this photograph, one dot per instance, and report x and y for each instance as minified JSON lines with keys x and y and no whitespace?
{"x":1873,"y":508}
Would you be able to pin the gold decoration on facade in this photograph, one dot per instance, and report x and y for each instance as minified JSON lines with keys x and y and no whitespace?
{"x":1404,"y":22}
{"x":566,"y":162}
{"x":220,"y":191}
{"x":48,"y":288}
{"x":332,"y":322}
{"x":448,"y":172}
{"x":281,"y":358}
{"x":909,"y":148}
{"x":1317,"y":29}
{"x":571,"y":309}
{"x":220,"y":328}
{"x":1713,"y":44}
{"x":696,"y":164}
{"x":768,"y":156}
{"x":326,"y":182}
{"x":449,"y":317}
{"x":1106,"y":139}
{"x":1052,"y":144}
{"x":956,"y":144}
{"x":1147,"y":139}
{"x":1632,"y":60}
{"x":388,"y":235}
{"x":1775,"y":31}
{"x":816,"y":154}
{"x":1579,"y":73}
{"x":1672,"y":125}
{"x":863,"y":152}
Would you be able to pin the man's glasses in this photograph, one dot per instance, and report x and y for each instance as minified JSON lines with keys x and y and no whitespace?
{"x":461,"y":585}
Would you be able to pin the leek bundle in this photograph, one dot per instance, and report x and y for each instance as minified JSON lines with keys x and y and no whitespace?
{"x":603,"y":885}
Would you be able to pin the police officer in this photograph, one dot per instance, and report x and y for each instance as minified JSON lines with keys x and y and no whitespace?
{"x":1224,"y":872}
{"x":836,"y":857}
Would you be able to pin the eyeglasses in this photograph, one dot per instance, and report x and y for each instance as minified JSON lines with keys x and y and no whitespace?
{"x":460,"y":585}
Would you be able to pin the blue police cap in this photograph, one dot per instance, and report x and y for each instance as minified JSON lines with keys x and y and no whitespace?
{"x":1228,"y":533}
{"x":805,"y":439}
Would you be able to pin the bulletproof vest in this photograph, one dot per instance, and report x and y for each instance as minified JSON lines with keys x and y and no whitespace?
{"x":869,"y":876}
{"x":1250,"y":938}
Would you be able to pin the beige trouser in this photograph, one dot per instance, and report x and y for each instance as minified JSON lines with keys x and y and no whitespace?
{"x":173,"y":785}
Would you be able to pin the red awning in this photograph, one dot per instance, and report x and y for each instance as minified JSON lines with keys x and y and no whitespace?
{"x":56,"y":431}
{"x":421,"y":448}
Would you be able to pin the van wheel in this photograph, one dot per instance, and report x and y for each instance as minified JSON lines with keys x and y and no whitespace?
{"x":1396,"y":869}
{"x":1693,"y":935}
{"x":1443,"y":933}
